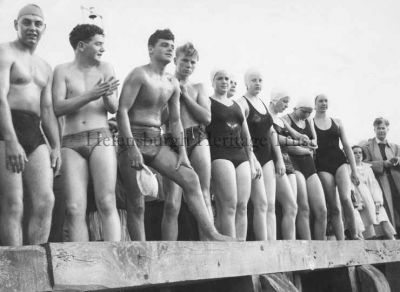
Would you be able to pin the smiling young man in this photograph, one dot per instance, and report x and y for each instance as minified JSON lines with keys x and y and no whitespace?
{"x":195,"y":114}
{"x":146,"y":92}
{"x":25,"y":162}
{"x":84,"y":90}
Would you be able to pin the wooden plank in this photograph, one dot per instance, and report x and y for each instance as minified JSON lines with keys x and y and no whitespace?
{"x":133,"y":264}
{"x":24,"y":269}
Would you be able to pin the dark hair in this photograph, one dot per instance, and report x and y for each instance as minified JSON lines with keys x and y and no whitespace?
{"x":83,"y":33}
{"x":380,"y":121}
{"x":362,"y":150}
{"x":164,"y":34}
{"x":187,"y":49}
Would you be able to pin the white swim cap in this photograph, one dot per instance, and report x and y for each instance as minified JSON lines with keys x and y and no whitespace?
{"x":147,"y":182}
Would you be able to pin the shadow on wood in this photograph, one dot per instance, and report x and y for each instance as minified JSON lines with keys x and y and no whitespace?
{"x":276,"y":283}
{"x":371,"y":279}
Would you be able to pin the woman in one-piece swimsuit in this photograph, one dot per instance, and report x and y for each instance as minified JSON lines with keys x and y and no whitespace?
{"x":332,"y":170}
{"x":310,"y":195}
{"x":265,"y":143}
{"x":232,"y":164}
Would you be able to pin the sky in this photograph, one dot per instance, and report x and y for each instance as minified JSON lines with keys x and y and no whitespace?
{"x":347,"y":49}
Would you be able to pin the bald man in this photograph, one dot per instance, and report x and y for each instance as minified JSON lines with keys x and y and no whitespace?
{"x":26,"y":162}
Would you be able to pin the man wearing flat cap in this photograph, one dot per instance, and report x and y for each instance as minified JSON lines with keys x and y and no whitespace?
{"x":26,"y":111}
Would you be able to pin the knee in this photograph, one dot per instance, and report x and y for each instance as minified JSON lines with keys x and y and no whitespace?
{"x":290,"y":209}
{"x":75,"y":210}
{"x":334,"y":211}
{"x":135,"y":207}
{"x":229,"y":209}
{"x":13,"y":207}
{"x":44,"y":206}
{"x":191,"y":184}
{"x":321,"y":214}
{"x":171,"y":208}
{"x":303,"y":210}
{"x":262,"y":207}
{"x":241,"y":208}
{"x":106,"y":205}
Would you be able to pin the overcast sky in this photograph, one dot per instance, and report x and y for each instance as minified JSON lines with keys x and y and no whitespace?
{"x":348,"y":49}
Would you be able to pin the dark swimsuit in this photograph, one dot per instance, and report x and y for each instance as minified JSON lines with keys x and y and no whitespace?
{"x":224,"y":133}
{"x":329,"y":155}
{"x":259,"y":127}
{"x":303,"y":163}
{"x":27,"y":127}
{"x":285,"y":155}
{"x":85,"y":142}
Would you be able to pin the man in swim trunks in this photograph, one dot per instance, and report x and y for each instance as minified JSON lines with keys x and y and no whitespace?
{"x":25,"y":161}
{"x":84,"y":90}
{"x":195,"y":115}
{"x":146,"y":92}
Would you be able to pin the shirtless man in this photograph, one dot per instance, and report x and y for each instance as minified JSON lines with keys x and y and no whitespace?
{"x":84,"y":90}
{"x":195,"y":115}
{"x":146,"y":91}
{"x":25,"y":161}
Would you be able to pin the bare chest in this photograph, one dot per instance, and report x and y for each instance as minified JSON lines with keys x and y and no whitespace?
{"x":156,"y":92}
{"x":78,"y":82}
{"x":28,"y":71}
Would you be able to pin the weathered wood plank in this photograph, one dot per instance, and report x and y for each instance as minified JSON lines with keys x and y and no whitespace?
{"x":134,"y":264}
{"x":24,"y":269}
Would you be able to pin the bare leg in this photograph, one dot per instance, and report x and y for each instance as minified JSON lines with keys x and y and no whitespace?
{"x":11,"y":203}
{"x":224,"y":185}
{"x":103,"y":168}
{"x":317,"y":203}
{"x":201,"y":162}
{"x":270,"y":189}
{"x":74,"y":172}
{"x":165,"y":163}
{"x":332,"y":199}
{"x":343,"y":183}
{"x":303,"y":212}
{"x":287,"y":199}
{"x":243,"y":186}
{"x":38,"y":179}
{"x":387,"y":229}
{"x":172,"y":205}
{"x":135,"y":201}
{"x":260,"y":205}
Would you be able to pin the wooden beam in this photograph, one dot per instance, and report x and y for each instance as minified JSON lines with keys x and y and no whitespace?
{"x":24,"y":269}
{"x":98,"y":265}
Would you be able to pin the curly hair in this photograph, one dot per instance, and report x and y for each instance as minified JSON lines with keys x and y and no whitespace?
{"x":165,"y":34}
{"x":83,"y":33}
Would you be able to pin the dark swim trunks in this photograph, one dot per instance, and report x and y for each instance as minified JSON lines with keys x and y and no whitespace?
{"x":193,"y":137}
{"x":148,"y":139}
{"x":85,"y":142}
{"x":27,"y":127}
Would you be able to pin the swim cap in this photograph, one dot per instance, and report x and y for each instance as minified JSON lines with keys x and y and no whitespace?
{"x":30,"y":9}
{"x":147,"y":182}
{"x":304,"y":102}
{"x":277,"y":95}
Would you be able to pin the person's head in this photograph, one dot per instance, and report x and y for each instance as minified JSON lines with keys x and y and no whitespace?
{"x":253,"y":80}
{"x":87,"y":40}
{"x":186,"y":58}
{"x":358,"y":153}
{"x":220,"y":81}
{"x":280,"y":100}
{"x":381,"y":127}
{"x":321,"y":103}
{"x":30,"y":25}
{"x":161,"y":45}
{"x":303,"y":108}
{"x":232,"y":86}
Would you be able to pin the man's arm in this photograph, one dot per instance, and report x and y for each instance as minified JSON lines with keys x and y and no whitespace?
{"x":110,"y":99}
{"x":200,"y":109}
{"x":15,"y":154}
{"x":175,"y":124}
{"x":64,"y":106}
{"x":49,"y":123}
{"x":129,"y":93}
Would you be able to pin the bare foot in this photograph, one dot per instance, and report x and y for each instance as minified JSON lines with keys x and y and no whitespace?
{"x":215,"y":236}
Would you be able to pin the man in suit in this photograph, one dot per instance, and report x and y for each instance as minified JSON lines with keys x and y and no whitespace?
{"x":384,"y":157}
